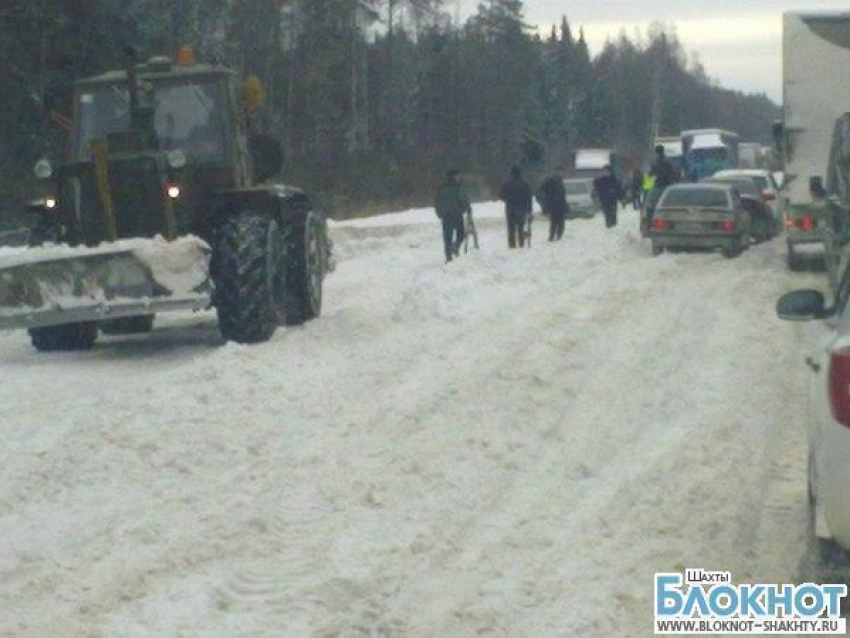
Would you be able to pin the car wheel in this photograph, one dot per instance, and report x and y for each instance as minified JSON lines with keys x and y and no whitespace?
{"x":657,"y":250}
{"x":794,"y":262}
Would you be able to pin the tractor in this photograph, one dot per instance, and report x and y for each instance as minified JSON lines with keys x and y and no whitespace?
{"x":168,"y":200}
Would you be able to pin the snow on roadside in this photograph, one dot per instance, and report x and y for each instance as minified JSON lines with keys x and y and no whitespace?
{"x":507,"y":445}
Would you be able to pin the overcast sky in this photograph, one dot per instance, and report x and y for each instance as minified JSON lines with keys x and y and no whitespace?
{"x":738,"y":41}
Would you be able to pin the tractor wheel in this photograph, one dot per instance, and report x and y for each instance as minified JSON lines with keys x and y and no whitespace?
{"x":65,"y":338}
{"x":249,"y":276}
{"x":305,"y":271}
{"x":128,"y":325}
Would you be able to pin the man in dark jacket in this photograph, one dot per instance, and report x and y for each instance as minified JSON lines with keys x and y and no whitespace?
{"x":516,"y":193}
{"x":610,"y":192}
{"x":662,"y":170}
{"x":665,"y":175}
{"x":553,"y":200}
{"x":637,"y":188}
{"x":451,"y":203}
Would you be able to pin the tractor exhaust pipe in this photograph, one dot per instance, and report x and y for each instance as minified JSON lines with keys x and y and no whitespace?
{"x":133,"y":87}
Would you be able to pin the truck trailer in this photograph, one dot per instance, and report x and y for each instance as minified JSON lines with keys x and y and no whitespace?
{"x":816,"y":93}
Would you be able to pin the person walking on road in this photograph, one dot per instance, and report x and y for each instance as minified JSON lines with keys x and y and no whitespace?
{"x":663,"y":175}
{"x":518,"y":198}
{"x":553,"y":200}
{"x":451,"y":203}
{"x":662,"y":170}
{"x":610,"y":192}
{"x":637,"y":188}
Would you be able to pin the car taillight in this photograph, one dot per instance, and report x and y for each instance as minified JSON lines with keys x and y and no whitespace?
{"x":806,"y":223}
{"x":839,"y":386}
{"x":789,"y":223}
{"x":660,"y":224}
{"x":727,"y":225}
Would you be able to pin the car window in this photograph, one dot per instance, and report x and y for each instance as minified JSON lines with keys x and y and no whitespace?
{"x":745,"y":186}
{"x":577,"y":188}
{"x":695,"y":198}
{"x":774,"y":183}
{"x":761,"y":182}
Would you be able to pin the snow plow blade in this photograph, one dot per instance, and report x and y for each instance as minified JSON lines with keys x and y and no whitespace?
{"x":57,"y":285}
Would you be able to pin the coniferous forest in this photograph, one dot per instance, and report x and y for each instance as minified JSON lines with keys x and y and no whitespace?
{"x":374,"y":99}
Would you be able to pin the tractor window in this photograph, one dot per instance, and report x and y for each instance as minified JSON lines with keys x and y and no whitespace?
{"x":191,"y":117}
{"x":188,"y":116}
{"x":101,"y":112}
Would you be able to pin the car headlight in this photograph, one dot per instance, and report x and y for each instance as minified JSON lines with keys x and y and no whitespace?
{"x":176,"y":158}
{"x":43,"y":169}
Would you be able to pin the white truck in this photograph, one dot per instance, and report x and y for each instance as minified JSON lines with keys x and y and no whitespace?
{"x":816,"y":92}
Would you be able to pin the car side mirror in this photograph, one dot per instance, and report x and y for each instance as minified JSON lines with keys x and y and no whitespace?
{"x":802,"y":305}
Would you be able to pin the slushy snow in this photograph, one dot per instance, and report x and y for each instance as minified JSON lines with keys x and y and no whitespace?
{"x":510,"y":445}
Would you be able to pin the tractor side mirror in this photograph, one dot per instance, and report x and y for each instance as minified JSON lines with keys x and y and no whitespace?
{"x":266,"y":156}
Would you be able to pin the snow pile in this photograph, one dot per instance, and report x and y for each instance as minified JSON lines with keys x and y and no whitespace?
{"x":181,"y":266}
{"x":511,"y":444}
{"x":62,"y":276}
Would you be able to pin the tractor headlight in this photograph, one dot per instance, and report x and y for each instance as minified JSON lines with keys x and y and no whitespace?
{"x":176,"y":158}
{"x":43,"y":169}
{"x":173,"y":191}
{"x":50,"y":203}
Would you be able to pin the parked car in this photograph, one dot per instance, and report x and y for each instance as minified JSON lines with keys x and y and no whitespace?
{"x":709,"y":216}
{"x":581,"y":197}
{"x":763,"y":225}
{"x":770,"y":188}
{"x":828,"y":422}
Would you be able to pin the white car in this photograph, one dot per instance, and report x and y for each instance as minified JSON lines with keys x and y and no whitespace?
{"x":581,"y":198}
{"x":765,"y":180}
{"x":829,"y":418}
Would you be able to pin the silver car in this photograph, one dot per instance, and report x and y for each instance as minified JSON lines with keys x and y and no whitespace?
{"x":581,"y":197}
{"x":709,"y":216}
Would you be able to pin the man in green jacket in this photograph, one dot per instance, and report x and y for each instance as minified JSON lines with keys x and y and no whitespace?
{"x":451,"y":203}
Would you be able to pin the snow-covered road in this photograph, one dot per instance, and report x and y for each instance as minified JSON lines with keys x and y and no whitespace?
{"x":510,"y":445}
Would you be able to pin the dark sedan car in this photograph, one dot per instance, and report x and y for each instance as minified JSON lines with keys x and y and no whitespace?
{"x":763,"y":224}
{"x":709,"y":216}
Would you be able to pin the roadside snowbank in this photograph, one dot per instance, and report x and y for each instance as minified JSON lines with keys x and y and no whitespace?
{"x":508,"y":445}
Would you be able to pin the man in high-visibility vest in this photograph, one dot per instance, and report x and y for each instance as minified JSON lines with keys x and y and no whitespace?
{"x":648,"y":184}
